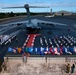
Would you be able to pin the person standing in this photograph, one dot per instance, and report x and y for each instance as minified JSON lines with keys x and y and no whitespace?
{"x":24,"y":58}
{"x":73,"y":68}
{"x":4,"y":66}
{"x":68,"y":68}
{"x":16,"y":39}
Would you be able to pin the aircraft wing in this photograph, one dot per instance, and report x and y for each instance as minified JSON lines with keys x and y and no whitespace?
{"x":12,"y":7}
{"x":34,"y":23}
{"x":13,"y":23}
{"x":50,"y":23}
{"x":25,"y":6}
{"x":38,"y":6}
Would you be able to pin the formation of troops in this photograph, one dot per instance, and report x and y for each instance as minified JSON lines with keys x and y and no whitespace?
{"x":63,"y":45}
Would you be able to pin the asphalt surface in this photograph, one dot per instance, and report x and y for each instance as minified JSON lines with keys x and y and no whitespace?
{"x":46,"y":31}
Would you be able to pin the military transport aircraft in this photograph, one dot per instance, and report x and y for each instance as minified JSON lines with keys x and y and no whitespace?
{"x":34,"y":23}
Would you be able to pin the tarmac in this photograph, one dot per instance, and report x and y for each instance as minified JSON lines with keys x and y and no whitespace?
{"x":47,"y":31}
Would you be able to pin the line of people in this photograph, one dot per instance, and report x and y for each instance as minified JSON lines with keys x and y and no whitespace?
{"x":58,"y":46}
{"x":45,"y":50}
{"x":58,"y":41}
